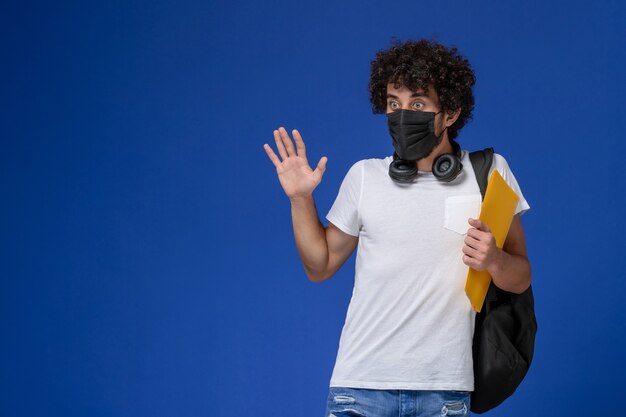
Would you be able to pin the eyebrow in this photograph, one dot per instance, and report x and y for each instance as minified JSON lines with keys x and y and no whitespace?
{"x":412,"y":95}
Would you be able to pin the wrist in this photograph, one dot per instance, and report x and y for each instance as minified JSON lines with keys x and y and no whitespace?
{"x":300,"y":200}
{"x":499,"y":262}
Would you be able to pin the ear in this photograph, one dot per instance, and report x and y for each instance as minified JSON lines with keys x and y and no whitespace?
{"x":452,"y":117}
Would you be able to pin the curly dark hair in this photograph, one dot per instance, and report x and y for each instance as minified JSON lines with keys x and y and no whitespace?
{"x":416,"y":64}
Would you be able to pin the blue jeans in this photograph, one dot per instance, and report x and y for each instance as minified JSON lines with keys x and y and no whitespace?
{"x":361,"y":402}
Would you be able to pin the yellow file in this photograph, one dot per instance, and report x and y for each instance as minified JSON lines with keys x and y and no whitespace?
{"x":496,"y":212}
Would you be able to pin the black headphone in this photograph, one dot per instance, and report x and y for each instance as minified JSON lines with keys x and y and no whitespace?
{"x":446,"y":167}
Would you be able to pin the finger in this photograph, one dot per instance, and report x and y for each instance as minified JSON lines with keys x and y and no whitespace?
{"x":272,"y":155}
{"x":299,"y":144}
{"x":471,"y":242}
{"x":472,"y":263}
{"x":475,"y":233}
{"x":469,"y":261}
{"x":321,"y":167}
{"x":291,"y":151}
{"x":479,"y":224}
{"x":280,"y":146}
{"x":469,"y":251}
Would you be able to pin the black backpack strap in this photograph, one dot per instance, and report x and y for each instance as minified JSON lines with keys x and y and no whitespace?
{"x":481,"y":162}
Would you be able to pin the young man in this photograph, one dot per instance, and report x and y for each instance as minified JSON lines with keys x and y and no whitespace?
{"x":406,"y":345}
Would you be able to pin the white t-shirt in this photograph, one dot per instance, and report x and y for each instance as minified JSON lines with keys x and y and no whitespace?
{"x":409,"y":324}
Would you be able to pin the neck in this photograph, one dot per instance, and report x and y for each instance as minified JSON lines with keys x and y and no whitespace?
{"x":426,"y":164}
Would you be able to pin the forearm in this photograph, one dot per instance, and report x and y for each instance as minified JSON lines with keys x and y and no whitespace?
{"x":511,"y":272}
{"x":310,"y":237}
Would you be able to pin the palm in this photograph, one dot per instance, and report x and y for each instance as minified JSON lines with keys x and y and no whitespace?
{"x":295,"y":175}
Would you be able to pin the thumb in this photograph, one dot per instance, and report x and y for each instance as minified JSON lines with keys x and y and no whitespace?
{"x":479,"y":224}
{"x":321,"y":167}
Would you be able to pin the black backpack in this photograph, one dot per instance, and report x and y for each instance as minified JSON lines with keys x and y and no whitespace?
{"x":504,"y":335}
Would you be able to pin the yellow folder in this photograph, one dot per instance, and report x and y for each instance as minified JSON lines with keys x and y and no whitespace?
{"x":497,"y":211}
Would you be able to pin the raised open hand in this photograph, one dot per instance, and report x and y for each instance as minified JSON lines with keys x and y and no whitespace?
{"x":295,"y":175}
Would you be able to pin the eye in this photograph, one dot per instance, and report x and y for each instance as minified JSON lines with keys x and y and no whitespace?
{"x":393,"y":104}
{"x":418,"y":105}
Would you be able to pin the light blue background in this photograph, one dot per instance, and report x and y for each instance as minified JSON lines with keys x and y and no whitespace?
{"x":147,"y":258}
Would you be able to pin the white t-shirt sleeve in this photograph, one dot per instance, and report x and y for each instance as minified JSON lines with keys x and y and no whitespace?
{"x":502,"y":166}
{"x":345,"y":210}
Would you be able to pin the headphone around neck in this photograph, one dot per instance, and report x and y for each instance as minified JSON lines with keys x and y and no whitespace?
{"x":446,"y":167}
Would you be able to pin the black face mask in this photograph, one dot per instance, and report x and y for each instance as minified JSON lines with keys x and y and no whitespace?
{"x":413,"y":133}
